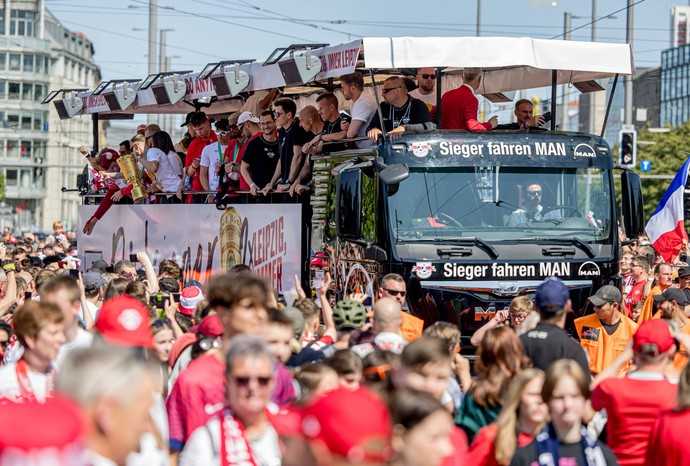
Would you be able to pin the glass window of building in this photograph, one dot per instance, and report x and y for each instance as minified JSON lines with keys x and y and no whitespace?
{"x":39,"y":151}
{"x":46,"y":64}
{"x":25,"y":179}
{"x":3,"y":60}
{"x":39,"y":64}
{"x":26,"y":121}
{"x":22,"y":23}
{"x":15,"y":62}
{"x":39,"y":92}
{"x":25,"y":149}
{"x":11,"y":177}
{"x":27,"y":91}
{"x":12,"y":148}
{"x":3,"y":89}
{"x":28,"y":63}
{"x":14,"y":90}
{"x":38,"y":121}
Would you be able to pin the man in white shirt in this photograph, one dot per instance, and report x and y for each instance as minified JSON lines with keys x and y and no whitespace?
{"x":39,"y":328}
{"x":363,"y":107}
{"x":426,"y":87}
{"x":213,"y":155}
{"x":114,"y":387}
{"x":64,"y":292}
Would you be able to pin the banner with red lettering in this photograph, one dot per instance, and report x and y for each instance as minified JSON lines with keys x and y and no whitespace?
{"x":202,"y":239}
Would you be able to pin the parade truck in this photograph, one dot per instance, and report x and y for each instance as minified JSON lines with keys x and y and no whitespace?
{"x":470,"y":220}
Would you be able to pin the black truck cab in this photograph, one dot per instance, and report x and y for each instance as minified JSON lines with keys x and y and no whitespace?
{"x":471,"y":220}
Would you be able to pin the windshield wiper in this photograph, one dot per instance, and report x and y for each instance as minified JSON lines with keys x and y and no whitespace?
{"x":574,"y":241}
{"x":473,"y":240}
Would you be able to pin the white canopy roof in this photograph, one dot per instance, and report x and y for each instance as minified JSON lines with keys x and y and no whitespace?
{"x":509,"y":63}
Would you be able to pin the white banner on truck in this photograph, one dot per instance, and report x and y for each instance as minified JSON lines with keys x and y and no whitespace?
{"x":201,"y":238}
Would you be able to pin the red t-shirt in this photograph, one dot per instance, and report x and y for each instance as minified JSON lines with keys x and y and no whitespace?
{"x":632,"y":406}
{"x":669,"y":439}
{"x":483,"y":452}
{"x":229,"y":151}
{"x":198,"y":393}
{"x":459,"y":455}
{"x":635,"y":296}
{"x":194,"y":152}
{"x":459,"y":109}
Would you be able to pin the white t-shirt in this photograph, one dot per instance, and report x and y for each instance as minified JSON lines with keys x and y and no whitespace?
{"x":169,"y":171}
{"x":363,"y":110}
{"x":203,"y":447}
{"x":9,"y":384}
{"x":82,"y":340}
{"x":428,"y":99}
{"x":211,"y":158}
{"x":92,"y":309}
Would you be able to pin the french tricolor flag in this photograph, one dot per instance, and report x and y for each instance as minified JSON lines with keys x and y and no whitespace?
{"x":666,"y":229}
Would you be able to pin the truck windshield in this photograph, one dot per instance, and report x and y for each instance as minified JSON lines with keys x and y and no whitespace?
{"x":502,"y":203}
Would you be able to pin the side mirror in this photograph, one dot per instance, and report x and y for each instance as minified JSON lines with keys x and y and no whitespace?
{"x":348,"y":208}
{"x":633,"y":206}
{"x":394,"y":174}
{"x":375,"y":253}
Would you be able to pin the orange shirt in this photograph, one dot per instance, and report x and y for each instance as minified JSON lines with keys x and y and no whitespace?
{"x":646,"y":313}
{"x":601,"y":348}
{"x":411,"y":327}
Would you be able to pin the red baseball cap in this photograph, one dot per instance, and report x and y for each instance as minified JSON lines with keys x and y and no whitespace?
{"x":354,"y":425}
{"x":190,"y":297}
{"x":653,"y":336}
{"x":210,"y":327}
{"x":125,"y":321}
{"x":42,"y":433}
{"x":185,"y":340}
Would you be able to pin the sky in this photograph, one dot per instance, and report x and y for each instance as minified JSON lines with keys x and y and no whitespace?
{"x":209,"y":30}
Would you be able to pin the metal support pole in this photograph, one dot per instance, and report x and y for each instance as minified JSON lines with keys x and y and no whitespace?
{"x":608,"y":105}
{"x":153,"y":28}
{"x":479,"y":18}
{"x":629,"y":25}
{"x":94,"y":131}
{"x":439,"y":81}
{"x":554,"y":87}
{"x":591,"y":97}
{"x":567,"y":26}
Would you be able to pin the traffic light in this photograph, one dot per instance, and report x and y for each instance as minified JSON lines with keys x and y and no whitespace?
{"x":628,"y":148}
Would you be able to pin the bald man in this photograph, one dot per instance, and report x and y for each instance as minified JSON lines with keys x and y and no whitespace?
{"x":386,"y":326}
{"x":400,"y":112}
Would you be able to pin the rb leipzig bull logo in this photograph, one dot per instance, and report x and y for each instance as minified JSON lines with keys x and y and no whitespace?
{"x":420,"y":149}
{"x":423,"y":269}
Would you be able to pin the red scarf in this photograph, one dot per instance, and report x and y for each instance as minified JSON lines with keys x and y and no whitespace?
{"x":26,"y":392}
{"x":235,"y":449}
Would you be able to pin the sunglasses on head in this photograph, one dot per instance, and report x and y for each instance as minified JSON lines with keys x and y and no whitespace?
{"x":222,"y":133}
{"x":242,"y":381}
{"x":395,"y":292}
{"x":428,"y":76}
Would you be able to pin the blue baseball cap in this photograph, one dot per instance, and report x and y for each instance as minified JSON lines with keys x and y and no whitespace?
{"x":551,"y":296}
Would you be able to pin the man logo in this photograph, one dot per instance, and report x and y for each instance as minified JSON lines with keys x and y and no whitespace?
{"x":420,"y":149}
{"x":589,"y":269}
{"x":584,"y":150}
{"x":423,"y":269}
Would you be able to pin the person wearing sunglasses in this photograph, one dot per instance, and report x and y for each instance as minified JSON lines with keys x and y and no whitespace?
{"x":400,"y":112}
{"x":241,"y":433}
{"x":393,"y":286}
{"x":426,"y":87}
{"x":213,"y":154}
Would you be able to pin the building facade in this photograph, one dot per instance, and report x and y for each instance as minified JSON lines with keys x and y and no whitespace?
{"x":675,"y":91}
{"x":38,"y":152}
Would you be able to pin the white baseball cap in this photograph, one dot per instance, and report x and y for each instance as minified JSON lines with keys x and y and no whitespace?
{"x":245,"y":117}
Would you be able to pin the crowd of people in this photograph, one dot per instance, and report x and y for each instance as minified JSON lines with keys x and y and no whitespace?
{"x":124,"y":364}
{"x":267,"y":146}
